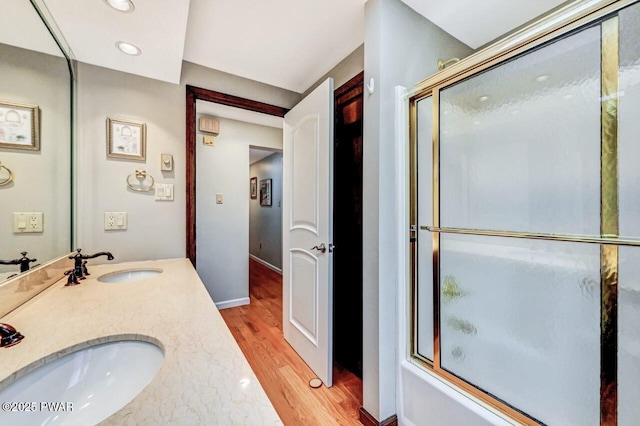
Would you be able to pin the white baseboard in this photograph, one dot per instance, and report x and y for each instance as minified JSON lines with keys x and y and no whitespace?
{"x":232,"y":303}
{"x":267,"y":264}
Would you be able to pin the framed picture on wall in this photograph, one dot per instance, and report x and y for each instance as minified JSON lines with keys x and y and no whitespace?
{"x":253,"y":188}
{"x":19,"y":126}
{"x":265,"y":192}
{"x":126,"y":139}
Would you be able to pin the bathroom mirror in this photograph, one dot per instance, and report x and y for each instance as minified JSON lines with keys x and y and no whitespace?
{"x":36,"y":131}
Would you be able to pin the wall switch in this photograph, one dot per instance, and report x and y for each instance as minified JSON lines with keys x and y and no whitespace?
{"x":208,"y":140}
{"x":28,"y":222}
{"x":166,"y":162}
{"x":114,"y":221}
{"x":219,"y":198}
{"x":164,"y":191}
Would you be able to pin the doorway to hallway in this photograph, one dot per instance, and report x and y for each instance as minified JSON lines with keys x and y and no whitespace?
{"x":265,"y":207}
{"x":353,"y":307}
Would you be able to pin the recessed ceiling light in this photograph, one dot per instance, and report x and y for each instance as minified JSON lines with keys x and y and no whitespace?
{"x":128,"y":48}
{"x":483,"y":98}
{"x":121,"y":5}
{"x":542,"y":78}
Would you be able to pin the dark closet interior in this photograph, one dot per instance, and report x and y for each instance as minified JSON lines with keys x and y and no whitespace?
{"x":347,"y":225}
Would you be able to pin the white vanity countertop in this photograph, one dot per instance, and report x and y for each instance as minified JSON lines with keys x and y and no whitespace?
{"x":205,"y":378}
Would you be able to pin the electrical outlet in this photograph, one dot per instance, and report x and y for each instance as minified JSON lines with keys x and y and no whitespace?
{"x":28,"y":222}
{"x":114,"y":221}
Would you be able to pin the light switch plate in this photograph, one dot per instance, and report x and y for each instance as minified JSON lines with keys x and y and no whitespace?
{"x":219,"y":198}
{"x":208,"y":140}
{"x":115,"y":221}
{"x":28,"y":222}
{"x":164,"y":191}
{"x":166,"y":162}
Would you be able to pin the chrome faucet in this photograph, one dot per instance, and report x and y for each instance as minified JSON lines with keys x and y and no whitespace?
{"x":23,"y":262}
{"x":80,"y":266}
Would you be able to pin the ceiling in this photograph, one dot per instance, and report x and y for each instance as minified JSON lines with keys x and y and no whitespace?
{"x":284,"y":43}
{"x":17,"y":16}
{"x":257,"y":154}
{"x":476,"y":23}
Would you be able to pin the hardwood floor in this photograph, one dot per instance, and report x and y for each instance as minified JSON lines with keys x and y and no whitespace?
{"x":257,"y":328}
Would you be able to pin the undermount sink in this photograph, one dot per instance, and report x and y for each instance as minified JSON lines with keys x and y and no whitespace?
{"x":83,"y":387}
{"x":129,"y":275}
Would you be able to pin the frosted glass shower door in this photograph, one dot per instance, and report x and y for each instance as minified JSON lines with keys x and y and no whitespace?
{"x":517,"y":307}
{"x":525,"y":323}
{"x":520,"y":143}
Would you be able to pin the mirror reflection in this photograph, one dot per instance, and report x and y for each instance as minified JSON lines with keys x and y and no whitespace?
{"x":35,"y":143}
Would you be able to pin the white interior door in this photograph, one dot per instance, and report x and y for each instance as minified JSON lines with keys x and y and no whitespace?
{"x":308,"y":230}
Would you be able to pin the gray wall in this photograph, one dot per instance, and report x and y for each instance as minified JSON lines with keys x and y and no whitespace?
{"x":265,"y":223}
{"x":401,"y":48}
{"x":223,"y":229}
{"x":156,"y":229}
{"x":344,"y":71}
{"x":41,"y":178}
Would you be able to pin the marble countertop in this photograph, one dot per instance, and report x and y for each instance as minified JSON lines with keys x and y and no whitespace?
{"x":205,"y":379}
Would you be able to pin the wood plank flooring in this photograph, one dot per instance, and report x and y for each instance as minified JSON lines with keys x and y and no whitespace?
{"x":257,"y":328}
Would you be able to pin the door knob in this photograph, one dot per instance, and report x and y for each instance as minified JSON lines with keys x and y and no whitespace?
{"x":321,"y":248}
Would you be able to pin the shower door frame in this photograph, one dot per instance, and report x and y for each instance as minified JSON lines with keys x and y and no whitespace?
{"x":563,"y":21}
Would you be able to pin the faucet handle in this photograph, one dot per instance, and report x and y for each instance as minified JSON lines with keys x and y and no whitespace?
{"x":9,"y":336}
{"x":25,"y":261}
{"x":72,"y":277}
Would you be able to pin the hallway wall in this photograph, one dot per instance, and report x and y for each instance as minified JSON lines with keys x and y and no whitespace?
{"x":223,"y":229}
{"x":265,"y":222}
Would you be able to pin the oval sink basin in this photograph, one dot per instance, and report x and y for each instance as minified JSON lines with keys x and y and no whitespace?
{"x":84,"y":387}
{"x":129,"y":275}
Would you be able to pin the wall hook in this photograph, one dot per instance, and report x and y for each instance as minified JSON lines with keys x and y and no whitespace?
{"x":371,"y":85}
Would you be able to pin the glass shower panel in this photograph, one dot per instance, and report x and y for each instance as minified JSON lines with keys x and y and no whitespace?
{"x":628,"y":124}
{"x":520,"y":143}
{"x":629,"y":336}
{"x":520,"y":319}
{"x":425,"y":218}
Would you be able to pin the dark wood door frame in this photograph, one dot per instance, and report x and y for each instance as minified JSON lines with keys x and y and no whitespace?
{"x":194,"y":94}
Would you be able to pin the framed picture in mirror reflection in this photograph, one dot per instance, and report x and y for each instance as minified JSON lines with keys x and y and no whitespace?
{"x":126,"y":139}
{"x":19,"y":126}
